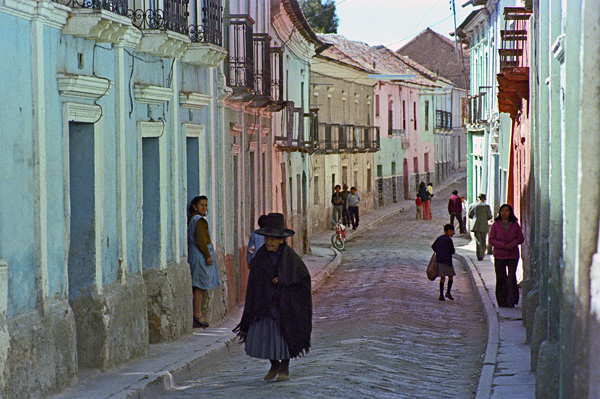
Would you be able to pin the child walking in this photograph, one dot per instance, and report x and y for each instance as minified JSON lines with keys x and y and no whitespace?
{"x":419,"y":205}
{"x":444,"y":249}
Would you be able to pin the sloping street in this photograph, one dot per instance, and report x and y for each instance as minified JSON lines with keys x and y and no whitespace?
{"x":379,"y":329}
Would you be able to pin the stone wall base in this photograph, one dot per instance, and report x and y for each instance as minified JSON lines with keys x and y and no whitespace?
{"x":547,"y":375}
{"x":169,"y":294}
{"x":41,"y":356}
{"x":112,"y":327}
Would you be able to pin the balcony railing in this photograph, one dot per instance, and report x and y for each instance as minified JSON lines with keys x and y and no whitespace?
{"x":294,"y":138}
{"x":337,"y":138}
{"x":443,"y":120}
{"x":513,"y":37}
{"x":262,"y":68}
{"x":206,"y":23}
{"x":396,"y":132}
{"x":473,"y":109}
{"x":240,"y":60}
{"x":160,"y":14}
{"x":120,"y":7}
{"x":277,"y":76}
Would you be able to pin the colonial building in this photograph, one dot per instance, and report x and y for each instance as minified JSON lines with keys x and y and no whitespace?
{"x":270,"y":46}
{"x":344,"y":136}
{"x":113,"y":116}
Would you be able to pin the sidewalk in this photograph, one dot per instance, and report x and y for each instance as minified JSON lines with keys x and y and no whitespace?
{"x":505,"y":373}
{"x":169,"y":362}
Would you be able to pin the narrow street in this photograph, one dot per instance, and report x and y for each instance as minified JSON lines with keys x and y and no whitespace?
{"x":379,"y":329}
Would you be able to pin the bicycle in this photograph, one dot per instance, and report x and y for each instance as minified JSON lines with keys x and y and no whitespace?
{"x":338,"y":239}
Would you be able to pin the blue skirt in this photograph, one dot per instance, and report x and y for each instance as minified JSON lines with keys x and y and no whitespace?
{"x":205,"y":277}
{"x":264,"y":340}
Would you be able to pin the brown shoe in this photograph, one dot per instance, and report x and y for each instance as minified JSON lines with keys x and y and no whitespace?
{"x":274,"y":370}
{"x":284,"y":371}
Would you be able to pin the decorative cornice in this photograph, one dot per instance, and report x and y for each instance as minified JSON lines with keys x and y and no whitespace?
{"x":193,"y":130}
{"x":155,"y":95}
{"x":204,"y":54}
{"x":101,"y":26}
{"x":49,"y":13}
{"x":150,"y":129}
{"x":163,"y":43}
{"x":82,"y":86}
{"x":79,"y":112}
{"x":194,"y":100}
{"x":295,"y":42}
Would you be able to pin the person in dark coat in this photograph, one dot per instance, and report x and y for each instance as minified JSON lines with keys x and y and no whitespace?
{"x":277,"y":320}
{"x":444,"y":249}
{"x":455,"y":210}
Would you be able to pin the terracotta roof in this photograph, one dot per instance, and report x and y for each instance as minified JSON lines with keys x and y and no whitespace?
{"x":437,"y":53}
{"x":378,"y":60}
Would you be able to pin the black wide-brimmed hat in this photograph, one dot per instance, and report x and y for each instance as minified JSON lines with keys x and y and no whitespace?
{"x":275,"y":227}
{"x":482,"y":197}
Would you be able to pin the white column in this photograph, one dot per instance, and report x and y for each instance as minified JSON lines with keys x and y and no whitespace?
{"x":39,"y":150}
{"x":176,"y":184}
{"x":120,"y":89}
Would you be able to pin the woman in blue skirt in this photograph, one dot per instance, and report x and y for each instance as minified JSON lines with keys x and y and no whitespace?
{"x":277,"y":319}
{"x":201,"y":256}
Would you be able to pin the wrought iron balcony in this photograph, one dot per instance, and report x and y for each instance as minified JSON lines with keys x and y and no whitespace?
{"x":278,"y":102}
{"x":120,"y":7}
{"x":206,"y":22}
{"x":262,"y":69}
{"x":144,"y":14}
{"x":473,"y":109}
{"x":294,"y":138}
{"x":443,"y":120}
{"x":239,"y":63}
{"x":335,"y":138}
{"x":169,"y":15}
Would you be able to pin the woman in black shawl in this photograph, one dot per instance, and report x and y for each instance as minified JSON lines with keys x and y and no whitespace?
{"x":277,"y":319}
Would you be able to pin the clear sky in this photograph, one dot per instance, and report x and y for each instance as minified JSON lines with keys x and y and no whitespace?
{"x":393,"y":22}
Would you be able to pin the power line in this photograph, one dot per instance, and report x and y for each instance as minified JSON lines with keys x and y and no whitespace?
{"x":326,"y":9}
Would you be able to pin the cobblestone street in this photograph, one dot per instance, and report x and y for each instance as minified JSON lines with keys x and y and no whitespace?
{"x":379,"y":329}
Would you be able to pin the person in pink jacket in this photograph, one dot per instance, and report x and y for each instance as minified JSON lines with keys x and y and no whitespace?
{"x":505,"y":237}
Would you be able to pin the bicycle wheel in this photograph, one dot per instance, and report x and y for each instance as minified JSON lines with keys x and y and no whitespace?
{"x":337,"y":242}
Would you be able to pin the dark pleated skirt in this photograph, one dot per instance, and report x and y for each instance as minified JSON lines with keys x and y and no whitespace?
{"x":264,"y":340}
{"x":445,"y":270}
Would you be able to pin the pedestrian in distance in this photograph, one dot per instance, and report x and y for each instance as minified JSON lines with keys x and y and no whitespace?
{"x":201,"y":257}
{"x":337,"y":200}
{"x":345,"y":211}
{"x":465,"y":211}
{"x":425,"y":200}
{"x":419,"y":206}
{"x":352,"y":203}
{"x":430,"y":189}
{"x":455,"y":210}
{"x":277,"y":320}
{"x":444,"y":249}
{"x":481,"y":213}
{"x":505,"y":237}
{"x":256,"y":241}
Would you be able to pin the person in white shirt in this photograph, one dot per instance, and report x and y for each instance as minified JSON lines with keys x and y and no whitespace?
{"x":352,"y":202}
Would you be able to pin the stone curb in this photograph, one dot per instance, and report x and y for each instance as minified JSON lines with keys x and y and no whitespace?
{"x":319,"y":278}
{"x":185,"y":369}
{"x":484,"y":387}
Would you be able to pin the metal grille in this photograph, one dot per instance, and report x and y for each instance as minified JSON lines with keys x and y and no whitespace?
{"x":206,"y":24}
{"x":240,"y":62}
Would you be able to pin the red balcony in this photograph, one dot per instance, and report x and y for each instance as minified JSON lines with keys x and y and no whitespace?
{"x":513,"y":79}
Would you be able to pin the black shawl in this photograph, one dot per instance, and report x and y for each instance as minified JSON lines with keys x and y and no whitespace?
{"x":291,"y":297}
